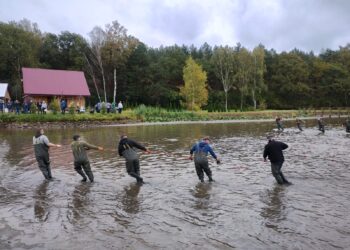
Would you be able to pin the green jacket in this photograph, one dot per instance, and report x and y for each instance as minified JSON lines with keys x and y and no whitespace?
{"x":79,"y":150}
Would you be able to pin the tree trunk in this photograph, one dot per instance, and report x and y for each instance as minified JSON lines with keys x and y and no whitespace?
{"x":115,"y":85}
{"x":104,"y":83}
{"x":91,"y":72}
{"x":253,"y":97}
{"x":241,"y":100}
{"x":226,"y":101}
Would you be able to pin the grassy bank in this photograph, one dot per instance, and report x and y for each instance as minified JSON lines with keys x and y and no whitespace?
{"x":154,"y":114}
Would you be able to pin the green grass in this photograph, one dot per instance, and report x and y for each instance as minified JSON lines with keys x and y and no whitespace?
{"x":10,"y":118}
{"x":156,"y":114}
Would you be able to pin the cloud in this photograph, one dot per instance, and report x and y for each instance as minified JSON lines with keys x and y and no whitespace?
{"x":279,"y":24}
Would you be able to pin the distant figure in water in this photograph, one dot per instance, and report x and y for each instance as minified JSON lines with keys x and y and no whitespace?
{"x":298,"y":122}
{"x":320,"y":124}
{"x":41,"y":149}
{"x":273,"y":150}
{"x":81,"y":160}
{"x":347,"y":125}
{"x":126,"y":149}
{"x":279,"y":123}
{"x":201,"y":150}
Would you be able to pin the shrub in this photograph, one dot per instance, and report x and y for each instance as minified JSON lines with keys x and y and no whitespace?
{"x":71,"y":109}
{"x":55,"y":106}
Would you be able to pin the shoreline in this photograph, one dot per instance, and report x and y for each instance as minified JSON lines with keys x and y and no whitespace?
{"x":131,"y":122}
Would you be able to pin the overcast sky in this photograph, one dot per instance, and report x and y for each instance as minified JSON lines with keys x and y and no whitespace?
{"x":279,"y":24}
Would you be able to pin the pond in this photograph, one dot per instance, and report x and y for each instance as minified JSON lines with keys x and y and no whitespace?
{"x":244,"y":208}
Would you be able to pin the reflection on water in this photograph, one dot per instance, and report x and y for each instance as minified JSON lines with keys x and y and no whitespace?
{"x":202,"y":194}
{"x":274,"y":209}
{"x":243,"y":208}
{"x":80,"y":200}
{"x":130,"y":201}
{"x":41,"y":205}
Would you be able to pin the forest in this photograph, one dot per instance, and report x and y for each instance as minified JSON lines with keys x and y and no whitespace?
{"x":119,"y":66}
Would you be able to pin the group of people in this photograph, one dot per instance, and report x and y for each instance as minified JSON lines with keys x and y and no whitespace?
{"x":126,"y":148}
{"x":26,"y":107}
{"x":110,"y":107}
{"x":320,"y":123}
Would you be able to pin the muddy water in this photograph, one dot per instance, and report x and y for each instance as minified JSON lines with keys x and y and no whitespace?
{"x":243,"y":209}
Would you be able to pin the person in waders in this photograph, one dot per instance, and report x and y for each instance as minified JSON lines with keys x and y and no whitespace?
{"x":81,"y":160}
{"x":347,"y":125}
{"x":201,"y":150}
{"x":298,"y":122}
{"x":126,"y":150}
{"x":41,"y":149}
{"x":279,"y":123}
{"x":320,"y":124}
{"x":273,"y":150}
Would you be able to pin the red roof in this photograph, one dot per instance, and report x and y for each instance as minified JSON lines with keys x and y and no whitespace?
{"x":54,"y":82}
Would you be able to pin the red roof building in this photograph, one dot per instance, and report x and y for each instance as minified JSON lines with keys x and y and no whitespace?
{"x":46,"y":84}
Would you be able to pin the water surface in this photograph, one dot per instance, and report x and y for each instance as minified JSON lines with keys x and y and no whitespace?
{"x":243,"y":209}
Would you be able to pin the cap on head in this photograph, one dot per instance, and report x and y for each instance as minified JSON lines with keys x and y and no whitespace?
{"x":123,"y":136}
{"x":76,"y":137}
{"x":269,"y":137}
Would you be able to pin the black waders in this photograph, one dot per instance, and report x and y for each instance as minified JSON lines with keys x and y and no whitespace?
{"x":132,"y":164}
{"x":202,"y":165}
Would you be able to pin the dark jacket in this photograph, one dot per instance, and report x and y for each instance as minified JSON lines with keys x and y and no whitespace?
{"x":273,"y":150}
{"x":202,"y":147}
{"x":126,"y":143}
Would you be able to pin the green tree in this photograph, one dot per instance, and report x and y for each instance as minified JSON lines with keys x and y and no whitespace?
{"x":195,"y":90}
{"x":117,"y":49}
{"x":244,"y":72}
{"x":257,"y":83}
{"x":18,"y":48}
{"x":225,"y":66}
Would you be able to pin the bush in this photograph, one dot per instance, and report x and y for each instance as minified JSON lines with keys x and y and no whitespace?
{"x":55,"y":106}
{"x":103,"y":108}
{"x":71,"y":109}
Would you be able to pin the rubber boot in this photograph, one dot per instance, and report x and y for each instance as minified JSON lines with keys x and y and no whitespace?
{"x":80,"y":171}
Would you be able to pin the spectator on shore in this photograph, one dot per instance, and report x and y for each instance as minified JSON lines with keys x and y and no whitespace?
{"x":17,"y":107}
{"x":120,"y":107}
{"x":63,"y":105}
{"x":38,"y":105}
{"x":108,"y":107}
{"x":43,"y":107}
{"x":2,"y":105}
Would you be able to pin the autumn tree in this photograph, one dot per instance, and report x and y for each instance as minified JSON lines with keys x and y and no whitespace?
{"x":225,"y":66}
{"x":195,"y":90}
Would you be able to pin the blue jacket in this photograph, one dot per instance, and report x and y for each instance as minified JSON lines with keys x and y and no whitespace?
{"x":203,"y":147}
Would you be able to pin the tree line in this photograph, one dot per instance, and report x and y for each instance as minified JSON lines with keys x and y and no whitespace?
{"x":119,"y":66}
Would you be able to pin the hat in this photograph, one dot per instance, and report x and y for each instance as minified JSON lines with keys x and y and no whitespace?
{"x":76,"y":137}
{"x":270,"y":137}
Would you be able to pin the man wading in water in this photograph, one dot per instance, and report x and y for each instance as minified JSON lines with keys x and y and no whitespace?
{"x":126,"y":149}
{"x":81,"y":160}
{"x":200,"y":151}
{"x":41,"y":149}
{"x":273,"y":150}
{"x":279,"y":123}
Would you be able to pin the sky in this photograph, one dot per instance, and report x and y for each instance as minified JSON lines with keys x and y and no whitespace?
{"x":308,"y":25}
